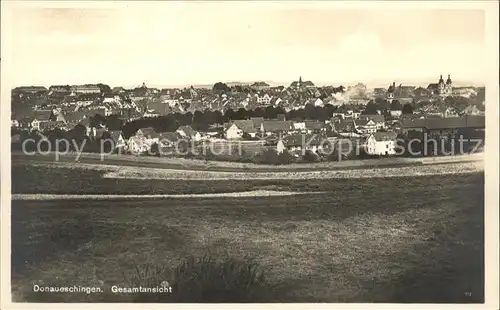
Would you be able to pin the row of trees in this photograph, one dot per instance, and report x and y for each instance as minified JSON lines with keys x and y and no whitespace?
{"x":201,"y":120}
{"x":373,"y":106}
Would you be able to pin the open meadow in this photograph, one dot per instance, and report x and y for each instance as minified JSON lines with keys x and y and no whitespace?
{"x":397,"y":239}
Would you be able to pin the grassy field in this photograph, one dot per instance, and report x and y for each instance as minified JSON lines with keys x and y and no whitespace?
{"x":411,"y":239}
{"x":74,"y":179}
{"x":201,"y":165}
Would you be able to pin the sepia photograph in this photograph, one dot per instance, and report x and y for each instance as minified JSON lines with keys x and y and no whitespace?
{"x":249,"y":152}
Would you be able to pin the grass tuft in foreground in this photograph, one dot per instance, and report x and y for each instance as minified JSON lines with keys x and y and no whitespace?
{"x":204,"y":280}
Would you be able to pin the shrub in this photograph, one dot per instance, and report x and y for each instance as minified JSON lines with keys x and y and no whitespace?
{"x":309,"y":157}
{"x":204,"y":280}
{"x":285,"y":158}
{"x":335,"y":155}
{"x":268,"y":156}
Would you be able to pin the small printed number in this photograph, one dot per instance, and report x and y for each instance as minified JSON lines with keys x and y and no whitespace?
{"x":468,"y":294}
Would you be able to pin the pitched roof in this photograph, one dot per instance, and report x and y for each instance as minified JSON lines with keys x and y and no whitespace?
{"x":188,"y":130}
{"x":115,"y":135}
{"x":361,"y":122}
{"x":170,"y":136}
{"x":99,"y":133}
{"x":72,"y":117}
{"x":30,"y":89}
{"x":413,"y":122}
{"x":274,"y":125}
{"x":117,"y":89}
{"x":384,"y":135}
{"x":257,"y":121}
{"x":377,"y":118}
{"x":247,"y":126}
{"x":42,"y":115}
{"x":344,"y":125}
{"x":314,"y":125}
{"x":85,"y":122}
{"x":147,"y":132}
{"x":445,"y":123}
{"x":261,"y":84}
{"x":475,"y":121}
{"x":468,"y":121}
{"x":302,"y":140}
{"x":51,"y":125}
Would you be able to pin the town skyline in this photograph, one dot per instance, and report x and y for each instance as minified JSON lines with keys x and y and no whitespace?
{"x":381,"y":84}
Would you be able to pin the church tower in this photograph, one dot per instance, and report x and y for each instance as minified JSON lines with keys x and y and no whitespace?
{"x":448,"y":86}
{"x":390,"y":92}
{"x":441,"y":85}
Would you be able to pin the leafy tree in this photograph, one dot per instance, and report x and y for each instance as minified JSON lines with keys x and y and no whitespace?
{"x":370,"y":109}
{"x":310,"y":112}
{"x":114,"y":122}
{"x":221,"y":87}
{"x":229,"y":115}
{"x":200,"y":120}
{"x":270,"y":112}
{"x":269,"y":156}
{"x":395,"y":105}
{"x":258,"y":112}
{"x":460,"y":103}
{"x":218,"y":117}
{"x":382,"y":104}
{"x":155,"y":149}
{"x":284,"y":158}
{"x":241,"y":114}
{"x":407,"y":109}
{"x":97,"y":120}
{"x":309,"y":157}
{"x":105,"y":89}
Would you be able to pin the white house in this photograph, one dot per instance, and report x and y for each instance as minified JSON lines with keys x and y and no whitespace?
{"x":266,"y":99}
{"x":143,"y":140}
{"x":381,"y":143}
{"x":379,"y":120}
{"x":171,"y":102}
{"x":396,"y":113}
{"x":348,"y":114}
{"x":189,"y":133}
{"x":299,"y":126}
{"x":117,"y":137}
{"x":138,"y":145}
{"x":151,"y":113}
{"x":280,"y":147}
{"x":364,"y":126}
{"x":233,"y":132}
{"x":318,"y":103}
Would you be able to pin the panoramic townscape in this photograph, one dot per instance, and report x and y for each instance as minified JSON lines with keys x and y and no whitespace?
{"x":152,"y":121}
{"x":187,"y":153}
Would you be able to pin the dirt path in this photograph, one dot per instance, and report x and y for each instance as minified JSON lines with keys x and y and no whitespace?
{"x":257,"y":193}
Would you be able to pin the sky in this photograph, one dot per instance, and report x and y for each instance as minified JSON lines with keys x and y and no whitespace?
{"x":202,"y":43}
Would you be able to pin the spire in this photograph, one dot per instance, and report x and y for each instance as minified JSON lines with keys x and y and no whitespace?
{"x":441,"y":79}
{"x":448,"y":81}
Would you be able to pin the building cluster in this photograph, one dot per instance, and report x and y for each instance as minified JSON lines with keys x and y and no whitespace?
{"x":64,"y":107}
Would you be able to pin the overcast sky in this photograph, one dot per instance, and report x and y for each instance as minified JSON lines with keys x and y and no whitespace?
{"x":205,"y":43}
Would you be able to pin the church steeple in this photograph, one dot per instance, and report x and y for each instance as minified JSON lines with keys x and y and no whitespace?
{"x":441,"y":81}
{"x":448,"y":81}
